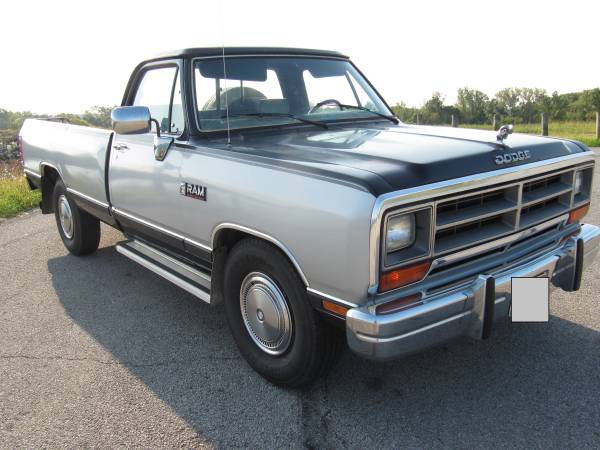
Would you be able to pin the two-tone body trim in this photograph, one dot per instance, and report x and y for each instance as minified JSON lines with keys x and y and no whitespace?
{"x":87,"y":197}
{"x":97,"y":208}
{"x":161,"y":229}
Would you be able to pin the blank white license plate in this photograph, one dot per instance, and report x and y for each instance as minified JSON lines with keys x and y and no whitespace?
{"x":530,"y":299}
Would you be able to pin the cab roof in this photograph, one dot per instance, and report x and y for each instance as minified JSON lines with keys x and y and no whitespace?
{"x":237,"y":51}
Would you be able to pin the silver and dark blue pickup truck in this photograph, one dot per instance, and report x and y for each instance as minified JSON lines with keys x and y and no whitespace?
{"x":278,"y":182}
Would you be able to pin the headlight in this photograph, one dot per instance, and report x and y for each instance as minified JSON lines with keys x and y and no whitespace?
{"x":400,"y":232}
{"x":578,"y":182}
{"x":406,"y":236}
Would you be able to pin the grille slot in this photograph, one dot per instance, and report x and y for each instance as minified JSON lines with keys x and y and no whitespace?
{"x":481,"y":216}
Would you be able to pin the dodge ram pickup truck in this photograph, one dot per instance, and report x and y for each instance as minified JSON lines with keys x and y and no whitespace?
{"x":279,"y":183}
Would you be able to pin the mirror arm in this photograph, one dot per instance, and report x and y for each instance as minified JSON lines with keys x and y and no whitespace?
{"x":157,"y":126}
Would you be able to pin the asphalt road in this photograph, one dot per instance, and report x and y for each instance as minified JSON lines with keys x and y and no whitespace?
{"x":100,"y":352}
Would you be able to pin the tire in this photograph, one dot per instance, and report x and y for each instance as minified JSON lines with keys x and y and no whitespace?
{"x":302,"y":351}
{"x":81,"y":235}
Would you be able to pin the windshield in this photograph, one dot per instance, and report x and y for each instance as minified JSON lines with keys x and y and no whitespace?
{"x":262,"y":91}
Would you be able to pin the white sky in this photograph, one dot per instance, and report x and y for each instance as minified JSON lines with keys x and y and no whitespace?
{"x":63,"y":56}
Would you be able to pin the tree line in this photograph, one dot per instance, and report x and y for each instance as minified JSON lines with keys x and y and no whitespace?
{"x":11,"y":122}
{"x":510,"y":105}
{"x":97,"y":116}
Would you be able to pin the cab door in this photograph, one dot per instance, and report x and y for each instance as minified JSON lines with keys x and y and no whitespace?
{"x":144,"y":168}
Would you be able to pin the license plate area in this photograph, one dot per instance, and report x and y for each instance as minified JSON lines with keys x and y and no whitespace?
{"x":530,"y":297}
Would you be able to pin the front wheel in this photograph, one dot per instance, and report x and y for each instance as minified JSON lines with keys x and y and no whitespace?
{"x":277,"y":331}
{"x":79,"y":231}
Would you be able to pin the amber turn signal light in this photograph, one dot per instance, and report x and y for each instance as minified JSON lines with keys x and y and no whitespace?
{"x":335,"y":308}
{"x":401,"y":277}
{"x":578,"y":214}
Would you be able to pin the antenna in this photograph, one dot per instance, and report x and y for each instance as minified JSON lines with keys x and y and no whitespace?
{"x":226,"y":101}
{"x":224,"y":73}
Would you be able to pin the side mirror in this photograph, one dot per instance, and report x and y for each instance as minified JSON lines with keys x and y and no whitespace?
{"x":131,"y":119}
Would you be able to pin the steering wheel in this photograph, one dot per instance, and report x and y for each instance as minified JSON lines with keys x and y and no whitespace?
{"x":329,"y":101}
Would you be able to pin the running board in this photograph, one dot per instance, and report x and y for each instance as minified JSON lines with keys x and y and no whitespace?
{"x":186,"y":277}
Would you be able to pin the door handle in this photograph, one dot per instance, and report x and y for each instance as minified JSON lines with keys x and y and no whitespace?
{"x":120,"y":146}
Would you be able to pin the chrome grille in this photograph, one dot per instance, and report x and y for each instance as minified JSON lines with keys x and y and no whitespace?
{"x":474,"y":217}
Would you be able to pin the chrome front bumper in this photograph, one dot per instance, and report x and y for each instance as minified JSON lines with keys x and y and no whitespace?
{"x":468,"y":310}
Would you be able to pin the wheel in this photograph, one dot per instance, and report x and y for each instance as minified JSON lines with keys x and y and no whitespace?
{"x":79,"y":231}
{"x":276,"y":329}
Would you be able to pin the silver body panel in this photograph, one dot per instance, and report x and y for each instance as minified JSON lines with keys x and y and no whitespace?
{"x":142,"y":186}
{"x":78,"y":153}
{"x":319,"y":224}
{"x":322,"y":225}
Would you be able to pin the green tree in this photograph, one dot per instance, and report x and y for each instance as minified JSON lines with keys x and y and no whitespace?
{"x":530,"y":102}
{"x":405,"y":113}
{"x":559,"y":106}
{"x":98,"y":116}
{"x":508,"y":101}
{"x":592,"y":99}
{"x":433,"y":109}
{"x":472,"y":105}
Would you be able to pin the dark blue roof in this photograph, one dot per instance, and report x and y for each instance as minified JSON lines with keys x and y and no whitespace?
{"x":230,"y":51}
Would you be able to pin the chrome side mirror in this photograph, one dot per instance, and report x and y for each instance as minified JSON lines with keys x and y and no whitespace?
{"x":131,"y":119}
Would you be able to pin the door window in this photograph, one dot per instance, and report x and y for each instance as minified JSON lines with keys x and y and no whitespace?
{"x":160,"y":91}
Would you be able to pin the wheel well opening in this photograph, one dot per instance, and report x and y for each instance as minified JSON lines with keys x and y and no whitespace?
{"x":224,"y":241}
{"x":228,"y":237}
{"x":49,"y":178}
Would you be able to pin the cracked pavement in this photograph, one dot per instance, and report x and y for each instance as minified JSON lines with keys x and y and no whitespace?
{"x":100,"y":352}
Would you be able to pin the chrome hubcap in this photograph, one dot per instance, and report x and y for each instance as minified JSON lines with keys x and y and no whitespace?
{"x":66,"y":216}
{"x":265,"y":313}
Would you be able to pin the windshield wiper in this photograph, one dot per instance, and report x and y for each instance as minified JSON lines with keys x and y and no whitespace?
{"x":291,"y":116}
{"x":362,"y":108}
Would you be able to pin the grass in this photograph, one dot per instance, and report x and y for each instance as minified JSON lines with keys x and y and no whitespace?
{"x":15,"y":195}
{"x":579,"y":131}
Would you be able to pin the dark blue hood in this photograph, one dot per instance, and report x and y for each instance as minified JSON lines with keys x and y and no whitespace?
{"x":388,"y":158}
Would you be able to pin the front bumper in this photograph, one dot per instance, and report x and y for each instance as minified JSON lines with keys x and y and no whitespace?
{"x":468,"y":310}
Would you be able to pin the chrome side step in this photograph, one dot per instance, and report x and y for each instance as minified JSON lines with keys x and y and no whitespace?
{"x":186,"y":277}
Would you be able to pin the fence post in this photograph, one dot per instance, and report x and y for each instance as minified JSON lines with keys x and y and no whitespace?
{"x":418,"y":119}
{"x":495,"y":122}
{"x":454,"y":120}
{"x":597,"y":124}
{"x":544,"y":124}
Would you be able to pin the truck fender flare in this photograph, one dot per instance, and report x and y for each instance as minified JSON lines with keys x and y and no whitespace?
{"x":261,"y":235}
{"x":45,"y":164}
{"x":47,"y":186}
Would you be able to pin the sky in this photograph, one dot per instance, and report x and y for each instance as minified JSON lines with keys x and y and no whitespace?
{"x":66,"y":56}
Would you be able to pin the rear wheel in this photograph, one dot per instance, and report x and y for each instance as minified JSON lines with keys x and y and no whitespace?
{"x":277,"y":331}
{"x":79,"y":231}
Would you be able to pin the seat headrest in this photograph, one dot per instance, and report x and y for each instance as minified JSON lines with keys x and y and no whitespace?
{"x":274,"y":106}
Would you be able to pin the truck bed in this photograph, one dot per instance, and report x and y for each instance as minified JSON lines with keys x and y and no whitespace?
{"x":78,"y":153}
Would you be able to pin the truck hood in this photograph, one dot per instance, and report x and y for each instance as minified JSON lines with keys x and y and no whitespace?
{"x":390,"y":158}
